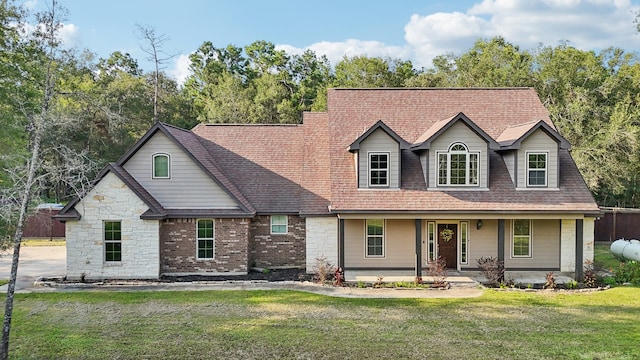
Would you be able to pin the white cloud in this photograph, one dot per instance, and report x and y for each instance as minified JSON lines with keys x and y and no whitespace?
{"x":180,"y":70}
{"x":335,"y":51}
{"x":69,"y":35}
{"x":585,"y":24}
{"x":30,"y":4}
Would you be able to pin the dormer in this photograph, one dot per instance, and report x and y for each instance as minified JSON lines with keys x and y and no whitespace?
{"x":377,"y":154}
{"x":454,"y":153}
{"x":530,"y":152}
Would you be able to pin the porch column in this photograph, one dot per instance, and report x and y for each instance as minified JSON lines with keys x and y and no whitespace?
{"x":579,"y":249}
{"x":418,"y":248}
{"x":501,"y":240}
{"x":341,"y":243}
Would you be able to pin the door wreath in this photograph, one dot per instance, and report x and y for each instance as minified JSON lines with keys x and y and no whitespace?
{"x":446,"y":234}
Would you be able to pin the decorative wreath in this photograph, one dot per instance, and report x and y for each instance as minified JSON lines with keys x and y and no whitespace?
{"x":446,"y":234}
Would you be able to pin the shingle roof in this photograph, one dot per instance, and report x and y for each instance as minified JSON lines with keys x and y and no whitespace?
{"x":308,"y":168}
{"x":512,"y":136}
{"x":410,"y":113}
{"x":264,"y":161}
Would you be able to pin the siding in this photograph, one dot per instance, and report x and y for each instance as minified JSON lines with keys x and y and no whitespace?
{"x":399,"y":244}
{"x":545,"y":245}
{"x":510,"y":160}
{"x":188,"y":187}
{"x":483,"y":242}
{"x":459,"y":132}
{"x":379,"y":141}
{"x":539,"y":141}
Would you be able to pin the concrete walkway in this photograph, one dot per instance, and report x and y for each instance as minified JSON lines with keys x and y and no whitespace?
{"x":35,"y":262}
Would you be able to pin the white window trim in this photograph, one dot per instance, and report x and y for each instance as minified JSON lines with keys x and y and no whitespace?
{"x":432,"y":239}
{"x":105,"y":241}
{"x":546,"y":169}
{"x":388,"y":169}
{"x":366,"y":240}
{"x":468,"y":162}
{"x":153,"y":166}
{"x":513,"y":235}
{"x":212,"y":238}
{"x":463,"y":233}
{"x":286,"y":225}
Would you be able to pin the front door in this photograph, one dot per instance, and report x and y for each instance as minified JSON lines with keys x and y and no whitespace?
{"x":448,"y":244}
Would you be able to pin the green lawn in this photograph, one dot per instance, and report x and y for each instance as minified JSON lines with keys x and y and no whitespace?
{"x":296,"y":325}
{"x":603,"y":258}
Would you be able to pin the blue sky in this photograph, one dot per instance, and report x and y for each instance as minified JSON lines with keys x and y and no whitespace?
{"x":407,"y":29}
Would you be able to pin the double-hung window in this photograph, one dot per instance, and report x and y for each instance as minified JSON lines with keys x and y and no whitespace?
{"x":375,"y":238}
{"x":458,"y":166}
{"x":279,"y":224}
{"x":536,"y":169}
{"x":112,"y":241}
{"x":378,"y":169}
{"x":521,"y":246}
{"x":205,"y":239}
{"x":161,"y":166}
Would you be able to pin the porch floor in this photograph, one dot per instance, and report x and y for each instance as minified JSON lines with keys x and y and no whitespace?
{"x":454,"y":277}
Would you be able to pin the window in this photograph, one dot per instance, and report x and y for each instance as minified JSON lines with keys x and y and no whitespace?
{"x":464,"y":238}
{"x":161,"y":166}
{"x":536,"y":169}
{"x":112,"y":241}
{"x":205,"y":239}
{"x":458,"y":166}
{"x":279,"y":224}
{"x":375,"y":238}
{"x":378,"y":169}
{"x":431,"y":236}
{"x":521,"y":238}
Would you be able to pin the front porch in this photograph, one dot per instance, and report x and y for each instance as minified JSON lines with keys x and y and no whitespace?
{"x":454,"y":277}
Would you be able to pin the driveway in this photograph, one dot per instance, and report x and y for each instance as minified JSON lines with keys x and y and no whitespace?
{"x":35,"y":262}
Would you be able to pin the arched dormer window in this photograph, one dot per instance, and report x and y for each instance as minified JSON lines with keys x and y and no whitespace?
{"x":161,"y":166}
{"x":458,"y":166}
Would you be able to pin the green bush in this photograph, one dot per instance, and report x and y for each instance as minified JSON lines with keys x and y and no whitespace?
{"x":628,"y":272}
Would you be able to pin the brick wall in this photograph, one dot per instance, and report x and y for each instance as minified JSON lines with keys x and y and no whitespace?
{"x":268,"y":250}
{"x":178,"y":247}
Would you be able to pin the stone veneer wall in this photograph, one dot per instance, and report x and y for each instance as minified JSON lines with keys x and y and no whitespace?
{"x":274,"y":251}
{"x":178,"y":247}
{"x":568,"y":244}
{"x":322,"y":240}
{"x":112,"y":200}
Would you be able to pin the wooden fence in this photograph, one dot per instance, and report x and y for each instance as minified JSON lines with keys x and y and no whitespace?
{"x":42,"y":225}
{"x":618,"y":223}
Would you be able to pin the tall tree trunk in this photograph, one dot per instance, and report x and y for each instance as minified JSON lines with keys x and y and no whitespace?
{"x":17,"y":240}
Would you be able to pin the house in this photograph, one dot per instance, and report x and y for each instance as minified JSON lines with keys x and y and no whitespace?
{"x":384,"y":179}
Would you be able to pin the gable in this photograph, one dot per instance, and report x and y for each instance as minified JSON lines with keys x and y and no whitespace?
{"x":188,"y":185}
{"x":379,"y":142}
{"x":110,"y":198}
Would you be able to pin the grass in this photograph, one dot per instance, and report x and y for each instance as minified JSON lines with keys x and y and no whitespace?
{"x":296,"y":325}
{"x":603,"y":258}
{"x":44,"y":242}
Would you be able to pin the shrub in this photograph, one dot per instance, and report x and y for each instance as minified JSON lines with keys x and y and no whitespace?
{"x":628,"y":272}
{"x":492,"y":269}
{"x":590,"y":275}
{"x":322,"y":270}
{"x":438,"y":271}
{"x":551,"y":281}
